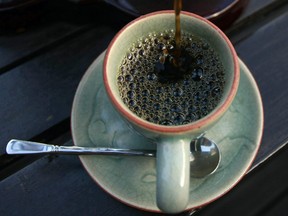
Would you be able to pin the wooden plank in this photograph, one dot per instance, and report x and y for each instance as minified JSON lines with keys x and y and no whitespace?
{"x":254,"y":6}
{"x":58,"y":186}
{"x":265,"y":53}
{"x":16,"y":47}
{"x":58,"y":22}
{"x":46,"y":28}
{"x":241,"y":30}
{"x":59,"y":134}
{"x":39,"y":93}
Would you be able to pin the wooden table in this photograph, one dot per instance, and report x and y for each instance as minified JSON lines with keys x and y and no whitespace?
{"x":41,"y":64}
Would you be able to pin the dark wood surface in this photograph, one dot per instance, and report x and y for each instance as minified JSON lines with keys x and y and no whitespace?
{"x":41,"y":64}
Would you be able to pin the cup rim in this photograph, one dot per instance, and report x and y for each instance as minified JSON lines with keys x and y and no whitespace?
{"x":174,"y":129}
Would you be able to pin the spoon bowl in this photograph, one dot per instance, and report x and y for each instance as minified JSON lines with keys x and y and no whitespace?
{"x":204,"y":158}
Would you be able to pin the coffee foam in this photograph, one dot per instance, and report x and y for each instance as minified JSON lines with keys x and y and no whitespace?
{"x":157,"y":91}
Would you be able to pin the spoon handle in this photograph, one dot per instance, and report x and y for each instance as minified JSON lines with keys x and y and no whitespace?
{"x":27,"y":147}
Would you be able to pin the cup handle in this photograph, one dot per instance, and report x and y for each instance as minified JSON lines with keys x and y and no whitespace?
{"x":173,"y":175}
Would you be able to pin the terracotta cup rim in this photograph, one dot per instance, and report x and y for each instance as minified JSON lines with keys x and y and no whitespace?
{"x":211,"y":117}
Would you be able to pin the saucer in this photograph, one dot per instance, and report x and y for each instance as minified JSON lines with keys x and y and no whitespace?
{"x":132,"y":180}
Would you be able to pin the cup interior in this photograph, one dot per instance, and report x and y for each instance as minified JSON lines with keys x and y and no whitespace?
{"x":159,"y":22}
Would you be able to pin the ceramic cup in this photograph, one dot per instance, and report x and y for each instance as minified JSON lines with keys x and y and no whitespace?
{"x":173,"y":142}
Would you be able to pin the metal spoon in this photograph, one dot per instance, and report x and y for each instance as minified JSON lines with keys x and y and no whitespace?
{"x":204,"y":157}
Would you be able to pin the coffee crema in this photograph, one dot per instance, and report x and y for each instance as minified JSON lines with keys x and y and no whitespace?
{"x":164,"y":90}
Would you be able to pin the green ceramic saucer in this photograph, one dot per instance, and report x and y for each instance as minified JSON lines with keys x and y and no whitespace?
{"x":132,"y":180}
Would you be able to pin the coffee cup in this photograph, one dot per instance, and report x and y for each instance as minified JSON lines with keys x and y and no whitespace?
{"x":171,"y":137}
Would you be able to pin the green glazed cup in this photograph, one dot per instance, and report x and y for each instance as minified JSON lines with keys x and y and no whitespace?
{"x":173,"y":142}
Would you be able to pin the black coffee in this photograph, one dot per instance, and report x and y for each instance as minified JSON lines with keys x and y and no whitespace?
{"x":164,"y":91}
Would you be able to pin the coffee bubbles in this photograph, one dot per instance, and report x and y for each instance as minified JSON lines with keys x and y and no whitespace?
{"x":168,"y":91}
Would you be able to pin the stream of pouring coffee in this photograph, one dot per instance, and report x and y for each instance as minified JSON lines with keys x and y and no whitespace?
{"x":177,"y":9}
